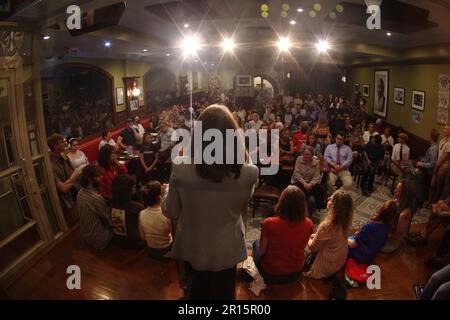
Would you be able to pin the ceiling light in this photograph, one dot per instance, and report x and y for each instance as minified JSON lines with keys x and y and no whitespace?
{"x":293,"y":22}
{"x":45,"y":37}
{"x":191,"y":44}
{"x":107,"y":44}
{"x":284,"y":44}
{"x":323,"y":46}
{"x":228,"y":45}
{"x":389,"y":34}
{"x":145,"y":50}
{"x":186,"y":25}
{"x":300,"y":10}
{"x":167,"y":54}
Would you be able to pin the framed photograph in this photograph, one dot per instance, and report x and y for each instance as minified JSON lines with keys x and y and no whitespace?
{"x":356,"y":90}
{"x":366,"y":90}
{"x":399,"y":96}
{"x":244,"y":81}
{"x":119,"y":96}
{"x":380,"y":100}
{"x":418,"y":100}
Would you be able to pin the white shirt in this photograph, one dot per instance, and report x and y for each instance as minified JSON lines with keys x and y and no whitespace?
{"x":396,"y":152}
{"x":80,"y":161}
{"x":156,"y":228}
{"x":389,"y":140}
{"x":444,"y":146}
{"x":102,"y":143}
{"x":166,"y":138}
{"x":140,"y":129}
{"x":367,"y":136}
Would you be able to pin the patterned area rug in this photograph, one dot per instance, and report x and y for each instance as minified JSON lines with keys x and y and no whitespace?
{"x":365,"y":207}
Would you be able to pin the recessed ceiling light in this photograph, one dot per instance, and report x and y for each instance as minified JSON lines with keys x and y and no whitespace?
{"x":389,"y":34}
{"x":145,"y":50}
{"x":293,"y":22}
{"x":168,"y":54}
{"x":45,"y":37}
{"x":107,"y":44}
{"x":300,"y":10}
{"x":186,"y":25}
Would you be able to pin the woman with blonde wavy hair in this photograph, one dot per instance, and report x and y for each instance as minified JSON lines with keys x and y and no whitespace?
{"x":330,"y":240}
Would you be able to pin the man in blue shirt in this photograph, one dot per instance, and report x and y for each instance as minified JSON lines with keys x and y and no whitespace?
{"x":339,"y":158}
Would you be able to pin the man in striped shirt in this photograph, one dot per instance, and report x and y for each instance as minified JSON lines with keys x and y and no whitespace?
{"x":95,"y":214}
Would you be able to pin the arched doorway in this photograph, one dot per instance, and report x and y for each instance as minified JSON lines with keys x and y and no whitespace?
{"x":160,"y":88}
{"x":77,"y":100}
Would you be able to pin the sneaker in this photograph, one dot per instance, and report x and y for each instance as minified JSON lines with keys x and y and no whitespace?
{"x":418,"y":290}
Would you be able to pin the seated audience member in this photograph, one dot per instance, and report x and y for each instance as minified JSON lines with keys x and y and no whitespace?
{"x":386,"y":138}
{"x":288,"y":117}
{"x":339,"y":158}
{"x":356,"y":143}
{"x":406,"y":207}
{"x":77,"y":157}
{"x":255,"y":123}
{"x":129,"y":136}
{"x":125,"y":213}
{"x":330,"y":241}
{"x":373,"y":155}
{"x":149,"y":156}
{"x":440,"y":215}
{"x":441,"y":178}
{"x":426,"y":165}
{"x":95,"y":214}
{"x":307,"y":177}
{"x":269,"y":116}
{"x":107,"y":139}
{"x":322,"y":132}
{"x":379,"y":128}
{"x":66,"y":178}
{"x":362,"y":127}
{"x":156,"y":228}
{"x":437,"y":288}
{"x":348,"y":127}
{"x":369,"y":133}
{"x":373,"y":235}
{"x":400,"y":156}
{"x":138,"y":127}
{"x":312,"y":142}
{"x":286,"y":147}
{"x":300,"y":137}
{"x":280,"y":252}
{"x":110,"y":167}
{"x":165,"y":139}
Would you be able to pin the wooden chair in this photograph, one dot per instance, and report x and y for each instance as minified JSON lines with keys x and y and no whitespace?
{"x":265,"y":193}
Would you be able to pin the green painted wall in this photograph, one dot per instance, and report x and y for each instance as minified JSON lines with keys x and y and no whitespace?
{"x":411,"y":77}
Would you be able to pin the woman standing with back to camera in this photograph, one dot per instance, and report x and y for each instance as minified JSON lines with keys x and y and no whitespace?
{"x":209,"y":202}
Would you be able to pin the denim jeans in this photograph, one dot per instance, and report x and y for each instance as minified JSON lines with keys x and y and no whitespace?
{"x":438,"y":287}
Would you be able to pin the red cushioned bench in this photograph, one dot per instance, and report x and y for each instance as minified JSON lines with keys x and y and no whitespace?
{"x":90,"y":147}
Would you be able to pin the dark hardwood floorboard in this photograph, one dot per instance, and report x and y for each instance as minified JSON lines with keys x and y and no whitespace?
{"x":116,"y":273}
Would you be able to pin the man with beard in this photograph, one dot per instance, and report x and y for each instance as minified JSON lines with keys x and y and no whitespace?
{"x":95,"y":214}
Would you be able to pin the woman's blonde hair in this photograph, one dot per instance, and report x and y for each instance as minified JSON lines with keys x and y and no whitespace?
{"x":340,"y":214}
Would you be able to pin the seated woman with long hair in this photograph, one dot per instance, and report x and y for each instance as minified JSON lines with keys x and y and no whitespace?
{"x":110,"y":167}
{"x":405,"y":197}
{"x":330,"y":240}
{"x":280,"y":251}
{"x":366,"y":244}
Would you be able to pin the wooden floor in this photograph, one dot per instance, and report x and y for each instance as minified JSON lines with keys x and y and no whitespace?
{"x":131,"y":274}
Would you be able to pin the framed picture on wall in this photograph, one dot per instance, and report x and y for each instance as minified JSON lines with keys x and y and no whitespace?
{"x":399,"y":96}
{"x":366,"y":90}
{"x":380,"y":100}
{"x":356,"y":88}
{"x":119,"y":96}
{"x":244,"y":81}
{"x":418,"y":100}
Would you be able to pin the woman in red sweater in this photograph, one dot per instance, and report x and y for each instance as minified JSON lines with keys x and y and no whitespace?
{"x":280,"y":253}
{"x":110,"y":167}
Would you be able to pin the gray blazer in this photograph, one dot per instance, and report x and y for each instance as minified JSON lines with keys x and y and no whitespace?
{"x":210,"y":232}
